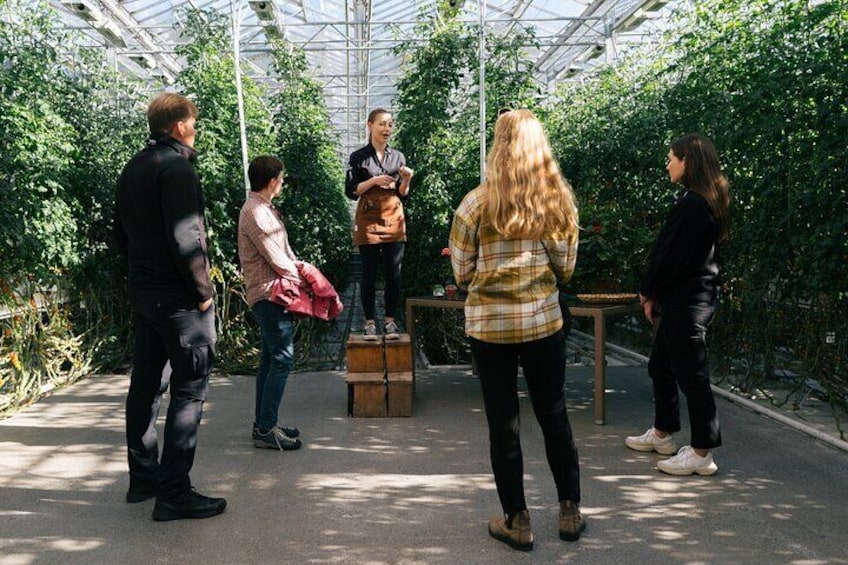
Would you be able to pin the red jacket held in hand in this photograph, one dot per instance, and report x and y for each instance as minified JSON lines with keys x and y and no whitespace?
{"x":316,"y":298}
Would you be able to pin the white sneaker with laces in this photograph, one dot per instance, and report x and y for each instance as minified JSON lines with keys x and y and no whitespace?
{"x":650,"y":441}
{"x":371,"y":332}
{"x":391,"y":330}
{"x":687,"y":462}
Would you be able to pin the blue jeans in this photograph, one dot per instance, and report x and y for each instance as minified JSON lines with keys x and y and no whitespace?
{"x":276,"y":327}
{"x":543,"y":361}
{"x":174,"y":348}
{"x":679,"y":358}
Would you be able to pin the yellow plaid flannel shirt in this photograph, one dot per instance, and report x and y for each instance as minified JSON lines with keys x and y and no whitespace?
{"x":512,"y":283}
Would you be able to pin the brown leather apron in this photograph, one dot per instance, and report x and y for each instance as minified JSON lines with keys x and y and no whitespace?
{"x":379,"y":218}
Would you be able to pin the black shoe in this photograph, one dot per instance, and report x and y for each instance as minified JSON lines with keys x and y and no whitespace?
{"x":276,"y":438}
{"x":189,"y":505}
{"x":290,"y":431}
{"x":140,"y":493}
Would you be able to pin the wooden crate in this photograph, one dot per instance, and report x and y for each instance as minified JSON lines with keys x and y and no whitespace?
{"x":364,"y":356}
{"x":366,"y":395}
{"x":399,"y":354}
{"x":400,"y":394}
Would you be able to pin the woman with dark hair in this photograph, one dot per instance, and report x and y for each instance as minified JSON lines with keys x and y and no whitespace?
{"x":679,"y":294}
{"x":378,"y":177}
{"x":513,"y":239}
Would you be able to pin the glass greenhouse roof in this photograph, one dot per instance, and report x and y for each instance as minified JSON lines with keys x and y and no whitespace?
{"x":349,"y":43}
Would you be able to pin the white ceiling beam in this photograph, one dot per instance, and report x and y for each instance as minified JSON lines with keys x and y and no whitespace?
{"x":569,"y":30}
{"x":144,"y":37}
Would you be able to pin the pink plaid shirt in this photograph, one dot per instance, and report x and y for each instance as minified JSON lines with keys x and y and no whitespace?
{"x":264,"y":249}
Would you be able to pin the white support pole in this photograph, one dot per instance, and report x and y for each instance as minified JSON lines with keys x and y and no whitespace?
{"x":348,"y":120}
{"x":482,"y":90}
{"x":609,"y":40}
{"x":235,"y":12}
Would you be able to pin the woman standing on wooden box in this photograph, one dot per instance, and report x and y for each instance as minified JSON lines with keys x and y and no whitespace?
{"x":513,"y":238}
{"x":678,"y":295}
{"x":378,"y":177}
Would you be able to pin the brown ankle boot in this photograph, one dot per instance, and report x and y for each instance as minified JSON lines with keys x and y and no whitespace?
{"x":571,"y":521}
{"x":515,"y":531}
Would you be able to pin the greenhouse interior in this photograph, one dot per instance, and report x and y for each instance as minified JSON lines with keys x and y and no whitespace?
{"x":613,"y":84}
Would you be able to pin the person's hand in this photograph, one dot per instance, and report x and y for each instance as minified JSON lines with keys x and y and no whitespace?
{"x":384,"y":181}
{"x":405,"y":173}
{"x":204,"y":306}
{"x":648,"y":308}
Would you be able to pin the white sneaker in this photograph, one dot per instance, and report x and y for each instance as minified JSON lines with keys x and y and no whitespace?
{"x":371,"y":332}
{"x":391,"y":330}
{"x":650,"y":441}
{"x":687,"y":462}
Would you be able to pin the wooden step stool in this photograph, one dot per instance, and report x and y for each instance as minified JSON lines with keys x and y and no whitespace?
{"x":399,"y":354}
{"x":379,"y":378}
{"x":399,"y":394}
{"x":399,"y":375}
{"x":364,"y":356}
{"x":366,"y":377}
{"x":366,"y":395}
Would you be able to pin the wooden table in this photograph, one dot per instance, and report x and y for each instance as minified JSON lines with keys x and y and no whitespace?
{"x":599,"y":312}
{"x":425,"y":302}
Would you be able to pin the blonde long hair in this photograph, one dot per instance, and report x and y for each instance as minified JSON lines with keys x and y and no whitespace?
{"x":526,"y":195}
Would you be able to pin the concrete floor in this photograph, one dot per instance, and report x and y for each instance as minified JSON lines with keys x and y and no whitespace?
{"x":412,"y":490}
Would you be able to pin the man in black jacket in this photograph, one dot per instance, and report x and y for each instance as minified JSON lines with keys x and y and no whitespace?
{"x":160,"y":230}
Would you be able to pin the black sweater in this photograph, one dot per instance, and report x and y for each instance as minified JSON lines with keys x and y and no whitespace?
{"x":683,"y":266}
{"x":159,"y":223}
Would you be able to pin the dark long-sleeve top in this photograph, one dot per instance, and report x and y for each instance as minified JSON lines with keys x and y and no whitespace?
{"x":365,"y":164}
{"x":159,"y":223}
{"x":683,"y":266}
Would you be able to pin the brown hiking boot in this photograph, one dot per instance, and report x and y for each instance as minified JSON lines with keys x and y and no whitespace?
{"x":515,"y":531}
{"x":571,"y":521}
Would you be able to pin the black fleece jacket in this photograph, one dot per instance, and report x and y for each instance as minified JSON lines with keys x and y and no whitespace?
{"x":159,"y":223}
{"x":683,"y":265}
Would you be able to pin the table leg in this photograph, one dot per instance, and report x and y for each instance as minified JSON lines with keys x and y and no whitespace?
{"x":410,"y":327}
{"x":600,"y":367}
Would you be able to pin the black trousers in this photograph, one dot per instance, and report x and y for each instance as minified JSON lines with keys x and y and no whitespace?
{"x":679,"y":358}
{"x":390,"y":255}
{"x":173,"y":348}
{"x":543,"y":362}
